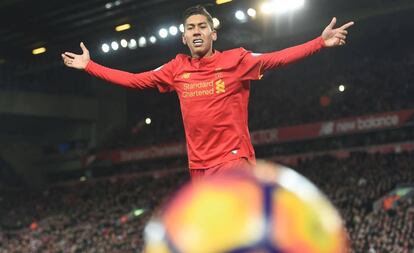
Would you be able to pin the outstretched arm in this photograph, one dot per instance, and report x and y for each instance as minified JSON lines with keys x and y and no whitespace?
{"x":330,"y":37}
{"x":160,"y":78}
{"x":253,"y":65}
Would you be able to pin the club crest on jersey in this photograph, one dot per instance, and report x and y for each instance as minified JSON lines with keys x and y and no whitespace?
{"x":220,"y":86}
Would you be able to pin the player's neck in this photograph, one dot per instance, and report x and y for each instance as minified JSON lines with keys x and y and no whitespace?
{"x":206,"y":55}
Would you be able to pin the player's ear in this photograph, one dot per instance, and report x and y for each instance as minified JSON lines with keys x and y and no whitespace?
{"x":214,"y":35}
{"x":184,"y":39}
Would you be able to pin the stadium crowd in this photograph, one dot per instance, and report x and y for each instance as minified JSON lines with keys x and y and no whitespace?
{"x":97,"y":215}
{"x":94,"y":216}
{"x":355,"y":184}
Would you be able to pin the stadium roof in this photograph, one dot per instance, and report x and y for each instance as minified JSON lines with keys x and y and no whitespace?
{"x":60,"y":25}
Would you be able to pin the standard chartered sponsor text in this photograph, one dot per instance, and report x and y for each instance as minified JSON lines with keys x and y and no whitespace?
{"x":198,"y":89}
{"x":192,"y":86}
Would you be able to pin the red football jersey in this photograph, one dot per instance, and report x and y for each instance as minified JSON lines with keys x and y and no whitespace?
{"x":213,"y":93}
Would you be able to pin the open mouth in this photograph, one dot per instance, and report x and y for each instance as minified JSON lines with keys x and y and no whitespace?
{"x":198,"y":42}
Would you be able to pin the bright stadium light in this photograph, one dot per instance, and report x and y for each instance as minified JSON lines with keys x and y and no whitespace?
{"x":123,"y":27}
{"x":216,"y":23}
{"x":181,"y":28}
{"x":296,"y":4}
{"x":251,"y":12}
{"x":124,"y":43}
{"x":152,"y":39}
{"x":281,"y":6}
{"x":223,"y":1}
{"x":240,"y":15}
{"x":173,"y":30}
{"x":266,"y":8}
{"x":148,"y":121}
{"x":114,"y":45}
{"x":39,"y":50}
{"x":105,"y":48}
{"x":341,"y":88}
{"x":132,"y":44}
{"x":163,"y":33}
{"x":142,"y":42}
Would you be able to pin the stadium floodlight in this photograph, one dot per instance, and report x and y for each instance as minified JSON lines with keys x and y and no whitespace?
{"x":296,"y":4}
{"x":281,"y":6}
{"x":163,"y":33}
{"x":117,"y":2}
{"x":142,"y":42}
{"x":114,"y":45}
{"x":173,"y":30}
{"x":39,"y":50}
{"x":105,"y":48}
{"x":251,"y":12}
{"x":266,"y":8}
{"x":152,"y":39}
{"x":148,"y":121}
{"x":122,"y":27}
{"x":124,"y":43}
{"x":240,"y":15}
{"x":341,"y":88}
{"x":108,"y":6}
{"x":132,"y":44}
{"x":223,"y":1}
{"x":216,"y":23}
{"x":181,"y":28}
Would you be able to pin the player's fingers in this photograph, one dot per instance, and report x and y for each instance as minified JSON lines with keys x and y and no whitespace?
{"x":66,"y":60}
{"x":71,"y":55}
{"x":340,"y":36}
{"x":332,"y":24}
{"x":344,"y":32}
{"x":64,"y":57}
{"x":342,"y":42}
{"x":347,"y":25}
{"x":83,"y":47}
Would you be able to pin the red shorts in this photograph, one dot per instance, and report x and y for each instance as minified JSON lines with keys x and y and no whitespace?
{"x":238,"y":164}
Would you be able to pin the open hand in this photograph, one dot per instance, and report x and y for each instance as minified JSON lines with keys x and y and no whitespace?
{"x":77,"y":61}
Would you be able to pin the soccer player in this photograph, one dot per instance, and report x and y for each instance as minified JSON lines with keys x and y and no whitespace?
{"x":213,"y":88}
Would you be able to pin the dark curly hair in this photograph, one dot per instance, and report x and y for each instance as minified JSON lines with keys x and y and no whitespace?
{"x":198,"y":10}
